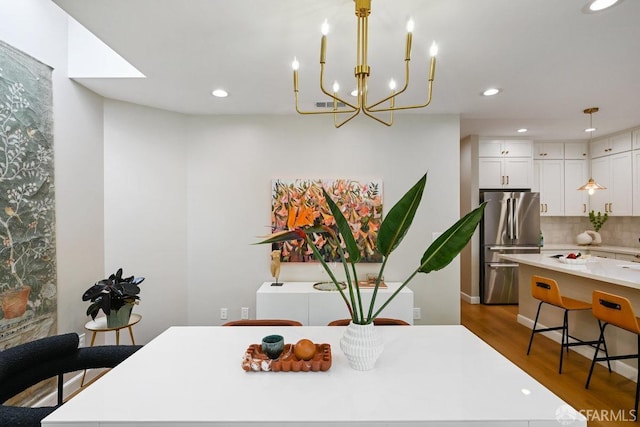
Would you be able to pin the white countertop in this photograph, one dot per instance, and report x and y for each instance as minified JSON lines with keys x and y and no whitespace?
{"x":307,"y":287}
{"x":426,"y":376}
{"x":618,"y":272}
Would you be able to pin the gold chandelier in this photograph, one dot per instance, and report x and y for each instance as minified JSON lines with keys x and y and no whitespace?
{"x":362,"y":71}
{"x":591,"y":186}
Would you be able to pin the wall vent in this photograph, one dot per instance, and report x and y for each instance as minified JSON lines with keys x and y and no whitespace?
{"x":328,"y":104}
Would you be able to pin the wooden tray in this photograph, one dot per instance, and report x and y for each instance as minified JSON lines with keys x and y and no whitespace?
{"x":255,"y":360}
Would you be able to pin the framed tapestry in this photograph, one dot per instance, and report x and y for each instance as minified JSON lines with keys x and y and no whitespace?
{"x":28,"y":285}
{"x":363,"y":201}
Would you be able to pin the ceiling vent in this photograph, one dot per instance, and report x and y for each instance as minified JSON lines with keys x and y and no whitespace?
{"x":328,"y":104}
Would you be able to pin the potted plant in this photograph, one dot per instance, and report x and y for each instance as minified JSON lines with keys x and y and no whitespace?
{"x":392,"y":230}
{"x":597,"y":221}
{"x":115,"y":296}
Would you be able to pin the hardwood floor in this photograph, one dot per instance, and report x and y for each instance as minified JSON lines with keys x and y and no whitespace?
{"x":609,"y":396}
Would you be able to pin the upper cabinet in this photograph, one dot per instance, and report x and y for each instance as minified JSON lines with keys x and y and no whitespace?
{"x":548,"y":151}
{"x":611,"y":145}
{"x":615,"y":173}
{"x":576,"y":150}
{"x":505,"y":164}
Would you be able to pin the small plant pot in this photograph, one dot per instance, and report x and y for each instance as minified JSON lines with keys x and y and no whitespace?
{"x":119,"y":318}
{"x":14,"y":302}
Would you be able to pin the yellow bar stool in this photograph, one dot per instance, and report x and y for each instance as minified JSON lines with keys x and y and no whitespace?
{"x":615,"y":310}
{"x":547,"y":291}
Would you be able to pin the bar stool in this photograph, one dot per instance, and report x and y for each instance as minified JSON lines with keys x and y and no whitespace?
{"x":548,"y":292}
{"x":615,"y":310}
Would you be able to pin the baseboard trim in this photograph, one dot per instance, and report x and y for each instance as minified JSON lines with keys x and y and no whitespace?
{"x":618,"y":366}
{"x":469,"y":299}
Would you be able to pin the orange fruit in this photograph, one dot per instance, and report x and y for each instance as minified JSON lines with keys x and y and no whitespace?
{"x":304,"y":349}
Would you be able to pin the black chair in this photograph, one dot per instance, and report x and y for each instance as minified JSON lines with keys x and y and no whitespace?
{"x":27,"y":364}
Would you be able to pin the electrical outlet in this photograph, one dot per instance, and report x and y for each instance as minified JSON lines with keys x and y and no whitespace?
{"x":417,"y":313}
{"x":223,"y":314}
{"x":244,"y":313}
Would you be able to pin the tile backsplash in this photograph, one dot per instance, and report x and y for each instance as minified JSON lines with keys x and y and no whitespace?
{"x":617,"y":231}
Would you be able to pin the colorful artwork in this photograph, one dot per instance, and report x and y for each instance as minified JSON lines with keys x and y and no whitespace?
{"x":28,"y":286}
{"x":301,"y":202}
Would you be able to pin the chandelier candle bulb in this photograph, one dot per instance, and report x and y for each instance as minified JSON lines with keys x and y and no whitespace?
{"x":433,"y":51}
{"x":295,"y":65}
{"x":407,"y":55}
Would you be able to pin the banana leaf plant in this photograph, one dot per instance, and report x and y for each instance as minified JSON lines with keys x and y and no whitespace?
{"x":392,"y":230}
{"x":112,"y":293}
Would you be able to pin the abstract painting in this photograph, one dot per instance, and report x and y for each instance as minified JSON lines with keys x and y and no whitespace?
{"x":360,"y":202}
{"x":28,"y":285}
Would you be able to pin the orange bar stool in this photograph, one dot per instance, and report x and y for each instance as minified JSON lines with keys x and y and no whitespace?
{"x":547,"y":291}
{"x":615,"y":310}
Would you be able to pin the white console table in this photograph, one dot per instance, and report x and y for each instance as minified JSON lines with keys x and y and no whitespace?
{"x":302,"y":302}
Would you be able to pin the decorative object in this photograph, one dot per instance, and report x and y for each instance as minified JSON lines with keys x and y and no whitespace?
{"x":27,"y":200}
{"x":255,"y":360}
{"x":301,"y":201}
{"x":591,"y":186}
{"x":112,"y":295}
{"x":273,"y":345}
{"x":598,"y":220}
{"x":583,"y":238}
{"x":362,"y":70}
{"x":329,"y":286}
{"x":362,"y":345}
{"x":275,"y":266}
{"x":596,"y":239}
{"x":392,"y":230}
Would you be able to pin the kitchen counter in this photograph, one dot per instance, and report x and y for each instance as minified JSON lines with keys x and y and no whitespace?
{"x":579,"y":281}
{"x":622,"y":273}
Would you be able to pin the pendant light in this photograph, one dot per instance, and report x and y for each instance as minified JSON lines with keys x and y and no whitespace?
{"x":591,"y":186}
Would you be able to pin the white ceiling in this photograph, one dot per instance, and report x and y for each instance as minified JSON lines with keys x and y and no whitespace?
{"x":551,"y":59}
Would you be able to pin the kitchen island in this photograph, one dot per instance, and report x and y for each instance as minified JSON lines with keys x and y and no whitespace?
{"x":579,"y":281}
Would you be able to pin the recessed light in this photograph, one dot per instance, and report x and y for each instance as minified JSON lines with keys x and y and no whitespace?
{"x":491,"y":91}
{"x":590,"y":130}
{"x":598,"y":5}
{"x":523,"y":130}
{"x":220,"y":93}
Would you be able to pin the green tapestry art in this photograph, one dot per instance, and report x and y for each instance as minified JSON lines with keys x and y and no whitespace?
{"x":27,"y":204}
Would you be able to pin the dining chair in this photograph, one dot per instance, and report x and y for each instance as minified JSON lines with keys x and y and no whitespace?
{"x":378,"y":321}
{"x":547,"y":291}
{"x":27,"y":364}
{"x":263,"y":322}
{"x":617,"y":311}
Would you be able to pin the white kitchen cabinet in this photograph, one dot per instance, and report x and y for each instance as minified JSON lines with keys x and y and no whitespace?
{"x":505,"y":148}
{"x":504,"y":172}
{"x":576,"y":174}
{"x":615,"y":173}
{"x":548,"y":180}
{"x":548,"y":150}
{"x":635,"y":144}
{"x":611,"y":145}
{"x":505,"y":164}
{"x":636,"y":182}
{"x":576,"y":150}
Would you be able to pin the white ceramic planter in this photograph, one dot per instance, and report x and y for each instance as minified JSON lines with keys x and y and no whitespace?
{"x":362,"y":346}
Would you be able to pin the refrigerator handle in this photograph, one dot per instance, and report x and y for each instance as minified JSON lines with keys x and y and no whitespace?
{"x":509,"y":219}
{"x":516,"y":227}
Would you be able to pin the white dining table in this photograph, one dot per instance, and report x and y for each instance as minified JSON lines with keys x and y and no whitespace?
{"x":426,"y":376}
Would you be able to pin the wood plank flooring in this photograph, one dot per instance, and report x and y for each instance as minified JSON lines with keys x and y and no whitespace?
{"x":609,"y":396}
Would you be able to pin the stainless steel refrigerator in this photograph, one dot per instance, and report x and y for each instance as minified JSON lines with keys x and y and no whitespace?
{"x":510,"y":224}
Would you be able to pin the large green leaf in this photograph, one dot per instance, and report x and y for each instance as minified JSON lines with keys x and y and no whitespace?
{"x":344,"y":229}
{"x":398,"y":220}
{"x":449,"y":244}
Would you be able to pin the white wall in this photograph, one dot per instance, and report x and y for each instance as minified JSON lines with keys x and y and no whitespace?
{"x":145,"y":194}
{"x":39,"y":28}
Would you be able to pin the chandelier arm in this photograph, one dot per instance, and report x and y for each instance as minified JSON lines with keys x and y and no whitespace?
{"x":299,"y":111}
{"x":368,"y":114}
{"x":407,"y":107}
{"x":393,"y":95}
{"x":338,"y":125}
{"x":333,"y":96}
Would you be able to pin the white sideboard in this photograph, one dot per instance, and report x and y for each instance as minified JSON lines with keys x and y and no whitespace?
{"x":302,"y":302}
